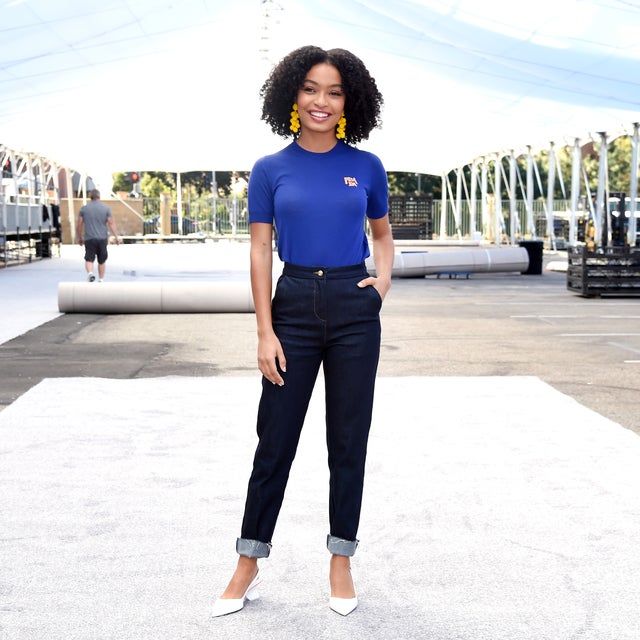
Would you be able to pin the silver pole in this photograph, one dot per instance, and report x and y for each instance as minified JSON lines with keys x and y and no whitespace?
{"x":513,"y":205}
{"x":472,"y":199}
{"x":601,"y":195}
{"x":179,"y":203}
{"x":531,"y":228}
{"x":214,"y":191}
{"x":497,"y":231}
{"x":551,"y":181}
{"x":484,"y":194}
{"x":575,"y":190}
{"x":633,"y":190}
{"x":443,"y":208}
{"x":458,"y":214}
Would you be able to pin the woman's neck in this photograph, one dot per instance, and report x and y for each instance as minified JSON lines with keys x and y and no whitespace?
{"x":316,"y":143}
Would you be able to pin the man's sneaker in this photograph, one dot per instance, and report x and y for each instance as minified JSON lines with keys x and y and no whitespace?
{"x":91,"y":277}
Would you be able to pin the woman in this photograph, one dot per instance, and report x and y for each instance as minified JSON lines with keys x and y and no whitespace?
{"x":318,"y":191}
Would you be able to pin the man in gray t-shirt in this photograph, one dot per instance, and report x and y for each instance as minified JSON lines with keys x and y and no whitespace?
{"x":94,"y":221}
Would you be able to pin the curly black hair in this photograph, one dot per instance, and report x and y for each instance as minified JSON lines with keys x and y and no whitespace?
{"x":363,"y":101}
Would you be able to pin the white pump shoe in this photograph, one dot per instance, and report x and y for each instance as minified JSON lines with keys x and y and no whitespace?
{"x":224,"y":606}
{"x":343,"y":606}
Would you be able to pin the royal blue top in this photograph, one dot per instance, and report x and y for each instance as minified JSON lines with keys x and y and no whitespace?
{"x":318,"y":202}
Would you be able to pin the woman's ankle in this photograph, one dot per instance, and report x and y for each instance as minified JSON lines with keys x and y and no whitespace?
{"x":340,"y":577}
{"x":246,"y":571}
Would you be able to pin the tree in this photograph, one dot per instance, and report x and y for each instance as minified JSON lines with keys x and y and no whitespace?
{"x":120,"y":183}
{"x":403,"y":183}
{"x":619,"y":160}
{"x":153,"y":185}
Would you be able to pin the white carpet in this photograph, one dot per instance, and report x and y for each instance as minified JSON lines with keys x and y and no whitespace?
{"x":495,"y":508}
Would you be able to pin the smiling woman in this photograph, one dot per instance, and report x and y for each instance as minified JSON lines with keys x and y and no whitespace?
{"x":318,"y":192}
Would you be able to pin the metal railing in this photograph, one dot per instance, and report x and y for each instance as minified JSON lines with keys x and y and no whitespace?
{"x":222,"y":217}
{"x":484,"y":219}
{"x":209,"y":216}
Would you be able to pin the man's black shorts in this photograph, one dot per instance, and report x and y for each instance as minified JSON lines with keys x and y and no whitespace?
{"x":94,"y":247}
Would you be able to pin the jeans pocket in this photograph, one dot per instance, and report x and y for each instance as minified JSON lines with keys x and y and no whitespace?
{"x":374,"y":295}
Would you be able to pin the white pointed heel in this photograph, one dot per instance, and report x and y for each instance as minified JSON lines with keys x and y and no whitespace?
{"x":343,"y":606}
{"x":225,"y":606}
{"x":252,"y":593}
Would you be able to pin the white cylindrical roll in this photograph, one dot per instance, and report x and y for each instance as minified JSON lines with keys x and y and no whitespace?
{"x":155,"y":297}
{"x":422,"y":263}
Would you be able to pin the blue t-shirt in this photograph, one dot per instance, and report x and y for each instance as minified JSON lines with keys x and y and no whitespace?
{"x":318,"y":202}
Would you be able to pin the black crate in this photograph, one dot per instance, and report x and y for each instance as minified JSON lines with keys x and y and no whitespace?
{"x":411,"y":217}
{"x":613,"y":271}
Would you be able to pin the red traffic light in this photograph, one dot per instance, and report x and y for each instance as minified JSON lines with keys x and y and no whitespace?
{"x":135,"y":177}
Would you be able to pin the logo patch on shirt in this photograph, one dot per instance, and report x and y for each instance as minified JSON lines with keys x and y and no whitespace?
{"x":350,"y":182}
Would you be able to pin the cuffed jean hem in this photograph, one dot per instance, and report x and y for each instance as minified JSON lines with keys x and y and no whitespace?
{"x":340,"y":547}
{"x":253,"y":548}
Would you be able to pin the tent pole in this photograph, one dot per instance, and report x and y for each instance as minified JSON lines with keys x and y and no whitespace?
{"x":513,"y":205}
{"x":459,"y":175}
{"x":497,"y":230}
{"x":551,"y":179}
{"x":472,"y":198}
{"x":575,"y":190}
{"x":484,"y":180}
{"x":179,"y":201}
{"x":214,"y":191}
{"x":453,"y":202}
{"x":72,"y":212}
{"x":602,"y":238}
{"x":633,"y":190}
{"x":443,"y":208}
{"x":531,"y":228}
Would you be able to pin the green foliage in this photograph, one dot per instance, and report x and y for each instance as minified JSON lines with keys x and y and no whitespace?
{"x":620,"y":164}
{"x":120,"y":182}
{"x":152,"y":185}
{"x":412,"y":184}
{"x":195,"y":184}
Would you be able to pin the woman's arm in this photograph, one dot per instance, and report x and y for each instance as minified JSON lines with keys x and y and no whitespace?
{"x":383,"y":251}
{"x":270,"y":353}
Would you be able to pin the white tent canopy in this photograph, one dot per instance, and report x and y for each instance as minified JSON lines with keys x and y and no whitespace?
{"x":172,"y":85}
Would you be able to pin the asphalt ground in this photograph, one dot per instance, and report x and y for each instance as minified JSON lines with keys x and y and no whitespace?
{"x":491,"y":324}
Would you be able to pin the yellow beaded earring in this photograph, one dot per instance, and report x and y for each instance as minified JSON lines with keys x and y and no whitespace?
{"x":342,"y":125}
{"x":295,"y":119}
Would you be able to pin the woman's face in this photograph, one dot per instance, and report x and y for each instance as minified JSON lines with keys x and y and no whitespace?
{"x":321,"y":99}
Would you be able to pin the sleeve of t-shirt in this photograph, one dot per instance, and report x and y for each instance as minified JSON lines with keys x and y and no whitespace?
{"x":260,"y":194}
{"x":378,"y":196}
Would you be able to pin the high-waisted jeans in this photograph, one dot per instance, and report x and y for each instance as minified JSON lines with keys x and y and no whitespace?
{"x":320,"y":316}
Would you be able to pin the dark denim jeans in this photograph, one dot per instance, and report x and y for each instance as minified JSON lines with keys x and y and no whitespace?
{"x":322,"y":317}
